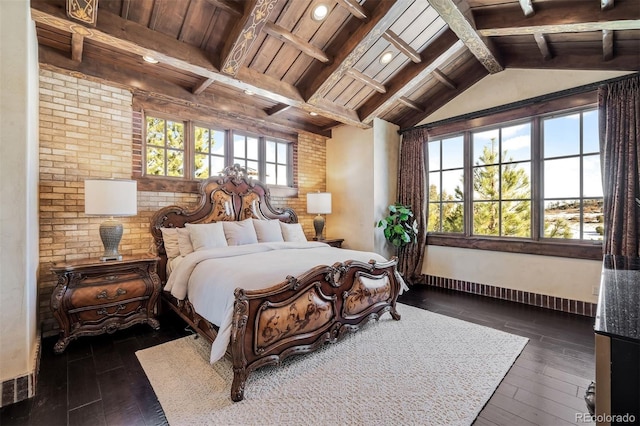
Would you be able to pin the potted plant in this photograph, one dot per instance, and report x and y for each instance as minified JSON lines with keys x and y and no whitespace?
{"x":400,"y":227}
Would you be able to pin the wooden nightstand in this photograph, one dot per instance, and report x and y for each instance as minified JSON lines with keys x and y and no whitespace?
{"x":94,"y":297}
{"x":333,"y":242}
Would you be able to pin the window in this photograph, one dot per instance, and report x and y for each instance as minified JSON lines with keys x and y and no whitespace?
{"x":185,"y":150}
{"x":537,"y":179}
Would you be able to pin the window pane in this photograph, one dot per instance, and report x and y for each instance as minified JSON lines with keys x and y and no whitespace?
{"x":485,"y":147}
{"x":592,"y":177}
{"x":590,"y":135}
{"x":516,"y":181}
{"x":238,"y":146}
{"x":593,"y":219}
{"x":516,"y":219}
{"x":202,"y":139}
{"x":516,"y":143}
{"x":155,"y":131}
{"x":562,"y":178}
{"x":252,"y":148}
{"x":155,"y":161}
{"x":434,"y":155}
{"x":282,"y":153}
{"x":434,"y":186}
{"x":486,"y":183}
{"x":452,"y":153}
{"x":271,"y":174}
{"x":562,"y":136}
{"x":452,"y":217}
{"x":201,"y":166}
{"x":217,"y":165}
{"x":486,"y":218}
{"x":252,"y":168}
{"x":175,"y":163}
{"x":452,"y":185}
{"x":175,"y":135}
{"x":241,"y":161}
{"x":271,"y":152}
{"x":218,"y":143}
{"x":562,"y":219}
{"x":282,"y":175}
{"x":433,"y":221}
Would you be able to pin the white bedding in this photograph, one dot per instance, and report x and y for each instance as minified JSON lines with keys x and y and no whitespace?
{"x":210,"y":277}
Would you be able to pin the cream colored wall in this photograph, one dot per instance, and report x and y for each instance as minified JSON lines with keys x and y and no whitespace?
{"x":362,"y":167}
{"x":18,"y":190}
{"x":554,"y":276}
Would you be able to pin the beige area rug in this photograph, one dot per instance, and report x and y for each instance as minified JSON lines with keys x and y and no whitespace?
{"x":426,"y":369}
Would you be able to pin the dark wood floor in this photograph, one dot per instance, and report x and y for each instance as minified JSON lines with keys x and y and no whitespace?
{"x":98,"y":380}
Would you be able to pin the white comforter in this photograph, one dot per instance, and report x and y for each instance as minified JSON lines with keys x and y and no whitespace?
{"x":210,"y":277}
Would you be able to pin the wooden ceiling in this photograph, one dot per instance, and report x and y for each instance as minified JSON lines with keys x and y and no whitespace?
{"x":308,"y":75}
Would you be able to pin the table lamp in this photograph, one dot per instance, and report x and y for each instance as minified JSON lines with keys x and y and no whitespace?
{"x":319,"y":203}
{"x":110,"y":197}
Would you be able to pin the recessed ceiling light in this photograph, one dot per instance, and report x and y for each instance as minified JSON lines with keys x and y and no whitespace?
{"x":319,"y":12}
{"x":150,"y":59}
{"x":313,"y":113}
{"x":249,"y":92}
{"x":386,"y":57}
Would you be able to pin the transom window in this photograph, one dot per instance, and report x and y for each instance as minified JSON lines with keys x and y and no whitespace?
{"x":183,"y":149}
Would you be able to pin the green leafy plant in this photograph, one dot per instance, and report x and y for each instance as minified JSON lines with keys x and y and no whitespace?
{"x":400,"y":227}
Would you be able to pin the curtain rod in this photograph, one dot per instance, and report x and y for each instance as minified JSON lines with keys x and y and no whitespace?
{"x":519,"y":104}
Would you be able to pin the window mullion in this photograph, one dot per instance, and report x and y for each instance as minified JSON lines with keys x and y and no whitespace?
{"x":468,"y":185}
{"x":537,"y":205}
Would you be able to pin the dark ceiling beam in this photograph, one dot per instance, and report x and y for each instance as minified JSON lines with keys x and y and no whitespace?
{"x":411,"y":104}
{"x":96,"y":70}
{"x":442,"y":78}
{"x":244,"y":34}
{"x":443,"y":49}
{"x":606,"y":4}
{"x":77,"y":46}
{"x":228,"y":6}
{"x":365,"y":79}
{"x":277,"y":109}
{"x":552,"y":17}
{"x":293,"y":40}
{"x":543,"y":46}
{"x":401,"y":45}
{"x":527,"y":8}
{"x":202,"y":85}
{"x":607,"y":45}
{"x":124,"y":10}
{"x":134,"y":38}
{"x":383,"y":16}
{"x":354,"y":8}
{"x":574,"y":61}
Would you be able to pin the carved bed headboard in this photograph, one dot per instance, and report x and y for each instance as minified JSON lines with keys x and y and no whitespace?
{"x":232,"y":196}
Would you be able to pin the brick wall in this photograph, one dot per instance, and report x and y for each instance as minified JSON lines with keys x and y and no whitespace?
{"x":86,"y":132}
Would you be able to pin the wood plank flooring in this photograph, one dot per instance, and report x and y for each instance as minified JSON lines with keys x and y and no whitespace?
{"x":98,"y":380}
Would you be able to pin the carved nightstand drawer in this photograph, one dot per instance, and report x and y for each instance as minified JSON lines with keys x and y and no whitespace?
{"x":94,"y":297}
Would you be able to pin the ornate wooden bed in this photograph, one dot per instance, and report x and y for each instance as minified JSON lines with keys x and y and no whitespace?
{"x":321,"y":305}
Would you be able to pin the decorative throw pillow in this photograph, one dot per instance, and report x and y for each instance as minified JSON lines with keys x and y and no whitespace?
{"x":268,"y":231}
{"x":184,"y":241}
{"x":239,"y":233}
{"x":292,"y":232}
{"x":170,"y":238}
{"x":206,"y":235}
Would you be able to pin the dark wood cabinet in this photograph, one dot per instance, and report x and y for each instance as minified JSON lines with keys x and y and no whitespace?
{"x":94,"y":297}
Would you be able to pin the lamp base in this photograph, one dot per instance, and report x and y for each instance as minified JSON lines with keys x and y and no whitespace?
{"x":111,"y":234}
{"x":318,"y":225}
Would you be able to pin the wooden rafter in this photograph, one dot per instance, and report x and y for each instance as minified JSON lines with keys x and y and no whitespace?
{"x":453,"y":13}
{"x":527,"y":8}
{"x":354,"y":8}
{"x":411,"y":104}
{"x":575,"y":61}
{"x":401,"y":45}
{"x":446,"y":47}
{"x":384,"y":15}
{"x":124,"y":10}
{"x":129,"y":36}
{"x":244,"y":34}
{"x":607,"y":45}
{"x":291,"y":39}
{"x":442,"y":78}
{"x":541,"y":41}
{"x":375,"y":85}
{"x":277,"y":109}
{"x":77,"y":46}
{"x":202,"y":85}
{"x":228,"y":6}
{"x":564,"y":17}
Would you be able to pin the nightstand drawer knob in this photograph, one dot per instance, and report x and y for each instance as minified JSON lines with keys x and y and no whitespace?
{"x":103,"y":294}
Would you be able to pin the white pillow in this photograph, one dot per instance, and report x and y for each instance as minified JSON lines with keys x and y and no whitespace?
{"x":239,"y":233}
{"x":268,"y":231}
{"x":206,"y":235}
{"x":292,"y":232}
{"x":184,"y":242}
{"x":170,"y":239}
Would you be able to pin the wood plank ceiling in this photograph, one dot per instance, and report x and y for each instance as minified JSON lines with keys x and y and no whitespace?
{"x":270,"y":62}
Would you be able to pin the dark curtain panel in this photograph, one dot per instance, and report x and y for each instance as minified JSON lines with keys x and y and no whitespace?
{"x":411,"y":192}
{"x":619,"y":116}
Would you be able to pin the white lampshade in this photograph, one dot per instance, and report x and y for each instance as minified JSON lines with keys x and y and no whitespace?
{"x":110,"y":197}
{"x":319,"y":202}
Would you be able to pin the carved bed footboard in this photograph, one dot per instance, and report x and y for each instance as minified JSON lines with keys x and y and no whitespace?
{"x":303,"y":313}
